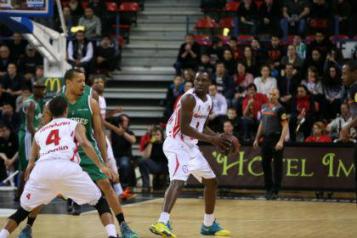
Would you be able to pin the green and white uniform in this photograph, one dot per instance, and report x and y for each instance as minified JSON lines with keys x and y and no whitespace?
{"x":81,"y":112}
{"x":25,"y":137}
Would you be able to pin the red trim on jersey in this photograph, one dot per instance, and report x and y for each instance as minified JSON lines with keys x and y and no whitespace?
{"x":176,"y":128}
{"x":75,"y":151}
{"x":177,"y":165}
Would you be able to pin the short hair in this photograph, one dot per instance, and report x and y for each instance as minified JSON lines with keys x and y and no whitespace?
{"x":352,"y":65}
{"x":58,"y":106}
{"x":121,"y":118}
{"x":71,"y":72}
{"x":252,"y":85}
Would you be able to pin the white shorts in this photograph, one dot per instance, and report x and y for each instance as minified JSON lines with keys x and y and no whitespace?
{"x":112,"y":164}
{"x":28,"y":145}
{"x":52,"y":177}
{"x":184,"y":160}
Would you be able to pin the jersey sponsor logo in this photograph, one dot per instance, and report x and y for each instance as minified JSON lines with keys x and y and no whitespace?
{"x":53,"y":84}
{"x":81,"y":120}
{"x":65,"y":123}
{"x":197,"y":115}
{"x":57,"y":149}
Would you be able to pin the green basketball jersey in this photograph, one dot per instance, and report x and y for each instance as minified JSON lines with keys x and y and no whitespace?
{"x":38,"y":113}
{"x":87,"y":90}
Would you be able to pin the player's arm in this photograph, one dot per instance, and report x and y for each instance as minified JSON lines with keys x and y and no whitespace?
{"x":80,"y":135}
{"x":258,"y":135}
{"x":187,"y":105}
{"x":30,"y":115}
{"x":35,"y":151}
{"x":98,"y":129}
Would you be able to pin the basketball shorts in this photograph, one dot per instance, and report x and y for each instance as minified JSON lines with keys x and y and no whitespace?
{"x":184,"y":160}
{"x":25,"y":145}
{"x":52,"y":177}
{"x":89,"y":166}
{"x":112,"y":164}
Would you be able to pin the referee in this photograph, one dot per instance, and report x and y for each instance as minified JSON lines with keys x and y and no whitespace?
{"x":273,"y":128}
{"x":349,"y":79}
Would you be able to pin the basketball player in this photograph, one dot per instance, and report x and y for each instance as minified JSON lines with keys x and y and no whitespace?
{"x":349,"y":79}
{"x":31,"y":114}
{"x":98,"y":86}
{"x":187,"y":126}
{"x":57,"y":169}
{"x":84,"y":109}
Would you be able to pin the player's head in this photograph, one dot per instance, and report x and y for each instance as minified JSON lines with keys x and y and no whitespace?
{"x":39,"y":88}
{"x":274,"y":95}
{"x":75,"y":81}
{"x":58,"y":107}
{"x":349,"y":72}
{"x":202,"y":82}
{"x":98,"y":84}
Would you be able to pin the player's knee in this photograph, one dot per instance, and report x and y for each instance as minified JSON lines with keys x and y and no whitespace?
{"x":19,"y":215}
{"x":212,"y":183}
{"x":177,"y":184}
{"x":102,"y":206}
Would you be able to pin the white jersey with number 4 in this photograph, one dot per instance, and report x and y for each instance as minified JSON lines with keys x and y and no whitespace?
{"x":57,"y":140}
{"x":200,"y":115}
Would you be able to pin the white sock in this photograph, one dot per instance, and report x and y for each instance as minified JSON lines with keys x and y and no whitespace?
{"x":208,"y":219}
{"x":4,"y":233}
{"x":118,"y":188}
{"x":111,"y":231}
{"x":164,"y":217}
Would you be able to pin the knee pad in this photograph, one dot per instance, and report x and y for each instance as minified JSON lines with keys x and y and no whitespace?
{"x":19,"y":215}
{"x":102,"y":206}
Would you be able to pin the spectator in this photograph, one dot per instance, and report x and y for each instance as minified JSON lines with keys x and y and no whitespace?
{"x":265,"y":83}
{"x":10,"y":117}
{"x":205,"y":64}
{"x":320,"y":43}
{"x":342,"y":12}
{"x":173,"y":92}
{"x":233,"y":118}
{"x":229,"y":62}
{"x":242,"y":79}
{"x":154,"y":161}
{"x":250,"y":60}
{"x":228,"y":128}
{"x":275,"y":53}
{"x":258,"y":51}
{"x":80,"y":52}
{"x":4,"y":96}
{"x":219,"y":110}
{"x":122,"y":141}
{"x":106,"y":58}
{"x":17,"y":46}
{"x":28,"y":64}
{"x":216,"y":50}
{"x":26,"y":92}
{"x":269,"y":15}
{"x":12,"y":82}
{"x":248,"y":16}
{"x":187,"y":86}
{"x":333,"y":92}
{"x":332,"y":60}
{"x":100,"y":10}
{"x":313,"y":83}
{"x":252,"y":105}
{"x":4,"y":59}
{"x":294,"y":15}
{"x":315,"y":61}
{"x":223,"y":81}
{"x":68,"y":20}
{"x":287,"y":85}
{"x":8,"y":147}
{"x":300,"y":47}
{"x":91,"y":23}
{"x":320,"y":15}
{"x":233,"y":47}
{"x":188,"y":56}
{"x":318,"y":134}
{"x":345,"y":117}
{"x":292,"y":58}
{"x":145,"y":139}
{"x":76,"y":10}
{"x":302,"y":115}
{"x":188,"y":75}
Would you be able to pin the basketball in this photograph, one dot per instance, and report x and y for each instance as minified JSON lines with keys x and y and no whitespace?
{"x":235,"y":146}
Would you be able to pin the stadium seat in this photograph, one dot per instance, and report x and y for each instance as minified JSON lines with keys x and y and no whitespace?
{"x":206,"y":25}
{"x":112,"y":6}
{"x":129,"y":11}
{"x":226,"y":22}
{"x":259,"y":3}
{"x":85,"y":4}
{"x":245,"y":39}
{"x":232,"y":7}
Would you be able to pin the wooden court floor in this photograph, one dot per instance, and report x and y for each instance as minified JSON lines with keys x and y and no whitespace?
{"x":245,"y":218}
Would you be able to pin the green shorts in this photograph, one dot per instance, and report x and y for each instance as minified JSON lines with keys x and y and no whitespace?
{"x":88,"y":166}
{"x":25,"y":145}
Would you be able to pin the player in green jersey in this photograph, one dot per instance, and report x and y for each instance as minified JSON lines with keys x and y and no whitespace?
{"x":83,"y":108}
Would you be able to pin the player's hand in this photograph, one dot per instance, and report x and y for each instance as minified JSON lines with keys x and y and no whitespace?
{"x":221,"y":142}
{"x":255,"y":144}
{"x":279,"y":145}
{"x":28,"y":171}
{"x":107,"y":172}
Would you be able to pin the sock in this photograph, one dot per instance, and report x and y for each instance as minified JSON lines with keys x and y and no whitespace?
{"x":111,"y":230}
{"x":208,"y":219}
{"x":118,"y":188}
{"x":30,"y":221}
{"x":164,"y":217}
{"x":4,"y":233}
{"x":120,"y":218}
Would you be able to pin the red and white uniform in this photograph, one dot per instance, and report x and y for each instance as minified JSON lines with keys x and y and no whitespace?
{"x":57,"y":170}
{"x":182,"y":152}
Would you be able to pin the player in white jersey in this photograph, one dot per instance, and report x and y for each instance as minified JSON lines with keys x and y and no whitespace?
{"x":57,"y":169}
{"x":98,"y":86}
{"x":185,"y":128}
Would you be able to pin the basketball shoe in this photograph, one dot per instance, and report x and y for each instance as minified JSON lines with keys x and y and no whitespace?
{"x":162,"y":229}
{"x":215,"y":229}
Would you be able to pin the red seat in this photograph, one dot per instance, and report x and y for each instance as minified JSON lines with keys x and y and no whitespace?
{"x":232,"y":6}
{"x":245,"y":39}
{"x":129,"y":7}
{"x":85,"y":4}
{"x":259,"y":3}
{"x":337,"y":38}
{"x":111,"y":6}
{"x":319,"y":23}
{"x":224,"y":39}
{"x":309,"y":39}
{"x":226,"y":22}
{"x":203,"y":40}
{"x":206,"y":23}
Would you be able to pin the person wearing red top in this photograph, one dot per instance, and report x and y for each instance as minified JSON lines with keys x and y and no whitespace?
{"x":318,"y":134}
{"x":252,"y":104}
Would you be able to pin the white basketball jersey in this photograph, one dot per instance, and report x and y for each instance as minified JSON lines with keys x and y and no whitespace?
{"x":199,"y":117}
{"x":102,"y":106}
{"x":56,"y":140}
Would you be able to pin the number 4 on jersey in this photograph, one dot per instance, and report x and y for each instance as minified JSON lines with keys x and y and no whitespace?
{"x":53,"y":137}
